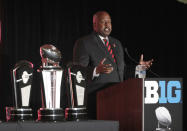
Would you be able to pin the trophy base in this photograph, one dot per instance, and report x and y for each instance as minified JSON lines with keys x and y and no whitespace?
{"x":163,"y":129}
{"x":18,"y":114}
{"x":51,"y":114}
{"x":76,"y":114}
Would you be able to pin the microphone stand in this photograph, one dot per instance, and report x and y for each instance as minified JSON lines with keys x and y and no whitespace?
{"x":132,"y":59}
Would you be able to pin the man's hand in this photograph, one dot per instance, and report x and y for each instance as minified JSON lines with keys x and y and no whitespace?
{"x":147,"y":64}
{"x":104,"y":68}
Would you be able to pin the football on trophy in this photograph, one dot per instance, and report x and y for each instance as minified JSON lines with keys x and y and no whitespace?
{"x":163,"y":116}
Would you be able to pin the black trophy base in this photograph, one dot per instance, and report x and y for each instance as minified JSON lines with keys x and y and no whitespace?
{"x":18,"y":114}
{"x":76,"y":114}
{"x":50,"y":114}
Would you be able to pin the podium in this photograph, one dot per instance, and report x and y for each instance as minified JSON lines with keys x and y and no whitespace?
{"x":151,"y":104}
{"x":122,"y":102}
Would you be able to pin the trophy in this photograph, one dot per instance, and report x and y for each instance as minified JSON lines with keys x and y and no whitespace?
{"x":51,"y":90}
{"x":22,"y":75}
{"x":77,"y":84}
{"x":164,"y":119}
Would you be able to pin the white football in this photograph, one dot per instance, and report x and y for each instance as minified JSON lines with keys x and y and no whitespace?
{"x":163,"y":116}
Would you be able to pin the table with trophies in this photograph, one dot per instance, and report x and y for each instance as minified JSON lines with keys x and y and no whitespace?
{"x":51,"y":116}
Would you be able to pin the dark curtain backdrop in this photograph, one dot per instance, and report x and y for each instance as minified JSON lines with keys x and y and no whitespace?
{"x":155,"y":28}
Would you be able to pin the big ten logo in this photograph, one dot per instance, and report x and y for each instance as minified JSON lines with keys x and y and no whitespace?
{"x":162,"y":92}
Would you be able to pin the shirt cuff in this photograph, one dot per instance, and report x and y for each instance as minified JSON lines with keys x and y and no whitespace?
{"x":95,"y":74}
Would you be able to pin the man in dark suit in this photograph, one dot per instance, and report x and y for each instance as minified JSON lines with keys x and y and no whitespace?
{"x":104,"y":54}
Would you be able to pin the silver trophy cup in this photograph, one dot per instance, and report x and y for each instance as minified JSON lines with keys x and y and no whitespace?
{"x":77,"y":84}
{"x":22,"y":75}
{"x":51,"y":74}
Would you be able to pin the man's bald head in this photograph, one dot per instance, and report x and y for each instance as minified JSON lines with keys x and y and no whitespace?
{"x":102,"y":23}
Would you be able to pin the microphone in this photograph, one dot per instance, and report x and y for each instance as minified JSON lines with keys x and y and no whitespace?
{"x":132,"y":59}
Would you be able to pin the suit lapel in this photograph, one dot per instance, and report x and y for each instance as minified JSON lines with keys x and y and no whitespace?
{"x":115,"y":49}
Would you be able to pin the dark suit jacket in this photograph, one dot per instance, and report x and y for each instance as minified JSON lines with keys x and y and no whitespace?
{"x":90,"y":50}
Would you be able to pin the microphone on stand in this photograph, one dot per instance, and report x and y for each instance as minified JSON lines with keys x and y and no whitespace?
{"x":132,"y":59}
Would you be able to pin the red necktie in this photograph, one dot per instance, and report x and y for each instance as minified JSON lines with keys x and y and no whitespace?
{"x":109,"y":49}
